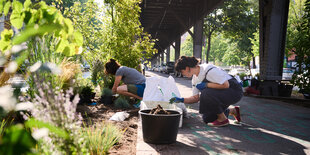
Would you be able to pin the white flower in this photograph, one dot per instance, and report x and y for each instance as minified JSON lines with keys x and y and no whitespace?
{"x":18,"y":48}
{"x":35,"y":66}
{"x":80,"y":50}
{"x":24,"y":106}
{"x":7,"y":100}
{"x":40,"y":133}
{"x":12,"y":67}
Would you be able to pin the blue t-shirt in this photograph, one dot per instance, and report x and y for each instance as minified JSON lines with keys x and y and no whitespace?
{"x":130,"y":75}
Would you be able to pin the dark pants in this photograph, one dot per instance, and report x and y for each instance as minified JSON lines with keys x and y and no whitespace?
{"x":216,"y":101}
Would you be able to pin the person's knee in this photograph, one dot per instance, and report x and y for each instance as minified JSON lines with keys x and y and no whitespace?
{"x":121,"y":89}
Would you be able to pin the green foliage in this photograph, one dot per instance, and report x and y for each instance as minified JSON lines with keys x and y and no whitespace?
{"x":17,"y":140}
{"x":32,"y":123}
{"x":187,"y":47}
{"x":218,"y":48}
{"x":121,"y":103}
{"x":106,"y":92}
{"x":2,"y":126}
{"x":100,"y":138}
{"x":240,"y":22}
{"x":302,"y":49}
{"x":112,"y":31}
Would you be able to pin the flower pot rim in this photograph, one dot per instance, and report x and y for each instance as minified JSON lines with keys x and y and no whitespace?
{"x":171,"y":115}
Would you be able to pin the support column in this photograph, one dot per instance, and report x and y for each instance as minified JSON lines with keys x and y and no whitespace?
{"x":197,"y":40}
{"x":273,"y":22}
{"x":168,"y":54}
{"x":177,"y":49}
{"x":162,"y":56}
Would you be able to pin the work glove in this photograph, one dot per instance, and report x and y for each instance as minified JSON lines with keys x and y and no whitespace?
{"x":176,"y":100}
{"x":201,"y":86}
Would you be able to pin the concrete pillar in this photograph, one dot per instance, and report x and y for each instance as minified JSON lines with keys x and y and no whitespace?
{"x":197,"y":40}
{"x":177,"y":49}
{"x":273,"y":22}
{"x":168,"y":54}
{"x":162,"y":56}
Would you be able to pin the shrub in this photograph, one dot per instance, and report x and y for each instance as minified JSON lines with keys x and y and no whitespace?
{"x":100,"y":138}
{"x":121,"y":103}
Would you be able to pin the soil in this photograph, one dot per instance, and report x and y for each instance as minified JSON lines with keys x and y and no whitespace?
{"x":159,"y":110}
{"x":100,"y":112}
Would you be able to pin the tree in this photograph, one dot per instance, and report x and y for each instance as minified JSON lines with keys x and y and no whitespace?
{"x":219,"y":48}
{"x":300,"y":41}
{"x":187,"y":46}
{"x":113,"y":31}
{"x":240,"y":22}
{"x":212,"y":23}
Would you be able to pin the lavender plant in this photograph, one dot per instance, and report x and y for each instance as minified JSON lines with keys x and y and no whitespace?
{"x":54,"y":106}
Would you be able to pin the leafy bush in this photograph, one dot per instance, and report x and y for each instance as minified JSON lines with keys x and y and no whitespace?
{"x":121,"y":103}
{"x":302,"y":50}
{"x":106,"y":92}
{"x":100,"y":138}
{"x":86,"y":94}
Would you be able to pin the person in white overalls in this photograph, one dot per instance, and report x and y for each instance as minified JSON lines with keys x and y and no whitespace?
{"x":213,"y":88}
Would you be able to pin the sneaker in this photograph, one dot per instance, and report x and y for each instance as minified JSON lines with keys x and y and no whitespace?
{"x":237,"y":116}
{"x":137,"y":105}
{"x":216,"y":123}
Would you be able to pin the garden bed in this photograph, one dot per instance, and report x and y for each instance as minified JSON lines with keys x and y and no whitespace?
{"x":102,"y":113}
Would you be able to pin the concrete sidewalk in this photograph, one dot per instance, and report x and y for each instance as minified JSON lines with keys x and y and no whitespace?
{"x":268,"y":127}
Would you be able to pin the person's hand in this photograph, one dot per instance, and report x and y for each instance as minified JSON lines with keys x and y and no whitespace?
{"x":114,"y":89}
{"x":176,"y":100}
{"x":201,"y":86}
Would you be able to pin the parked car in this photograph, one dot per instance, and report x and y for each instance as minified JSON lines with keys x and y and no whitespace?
{"x":170,"y":67}
{"x":235,"y":71}
{"x":287,"y":73}
{"x":163,"y":68}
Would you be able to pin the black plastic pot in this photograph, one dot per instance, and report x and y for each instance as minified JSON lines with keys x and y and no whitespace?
{"x":285,"y":90}
{"x":160,"y":128}
{"x":106,"y":100}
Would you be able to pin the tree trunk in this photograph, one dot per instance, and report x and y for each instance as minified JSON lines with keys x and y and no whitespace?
{"x":254,"y":64}
{"x":209,"y":46}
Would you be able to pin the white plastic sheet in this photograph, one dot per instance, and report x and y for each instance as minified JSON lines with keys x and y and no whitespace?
{"x":159,"y":90}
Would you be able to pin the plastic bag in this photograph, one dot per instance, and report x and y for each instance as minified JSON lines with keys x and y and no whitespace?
{"x":162,"y":89}
{"x":119,"y":116}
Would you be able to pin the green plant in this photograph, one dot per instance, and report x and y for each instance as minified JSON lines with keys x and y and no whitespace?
{"x":55,"y":107}
{"x":121,"y":103}
{"x":97,"y":72}
{"x":34,"y":20}
{"x":17,"y":140}
{"x":2,"y":127}
{"x":100,"y":138}
{"x":242,"y":75}
{"x":300,"y":42}
{"x":86,"y":94}
{"x":106,"y":92}
{"x":114,"y":32}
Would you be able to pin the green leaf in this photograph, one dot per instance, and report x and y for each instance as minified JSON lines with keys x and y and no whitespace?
{"x":33,"y":123}
{"x":68,"y":25}
{"x":17,"y":140}
{"x":5,"y":41}
{"x":27,"y":4}
{"x":32,"y":31}
{"x":78,"y":38}
{"x":16,"y":19}
{"x":7,"y":8}
{"x":1,"y":6}
{"x":17,"y":6}
{"x":62,"y":45}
